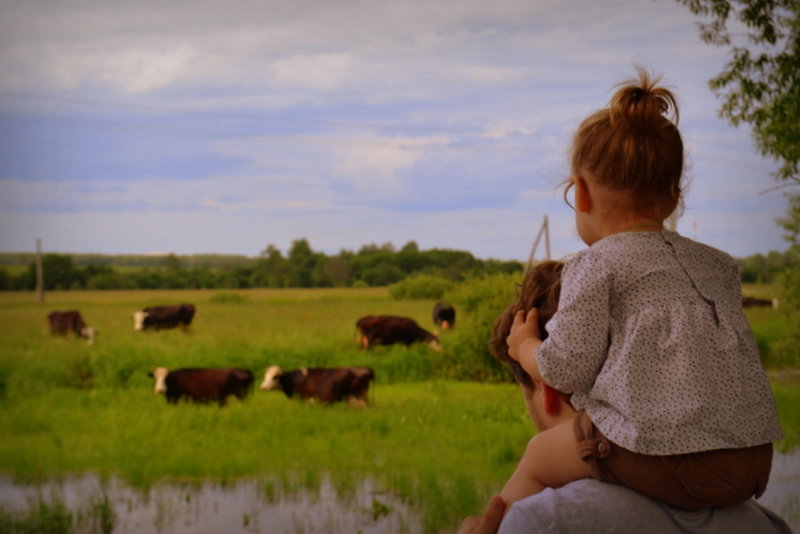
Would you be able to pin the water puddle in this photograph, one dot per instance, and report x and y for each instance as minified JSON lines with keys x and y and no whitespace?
{"x":783,"y":492}
{"x":251,"y":507}
{"x":244,"y":507}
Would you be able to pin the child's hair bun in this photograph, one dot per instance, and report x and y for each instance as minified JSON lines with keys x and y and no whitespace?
{"x":634,"y":145}
{"x":641,"y":103}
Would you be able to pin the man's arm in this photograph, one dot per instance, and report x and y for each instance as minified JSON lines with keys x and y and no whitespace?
{"x":486,"y":523}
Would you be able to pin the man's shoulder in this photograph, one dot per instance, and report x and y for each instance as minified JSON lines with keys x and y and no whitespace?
{"x":593,"y":506}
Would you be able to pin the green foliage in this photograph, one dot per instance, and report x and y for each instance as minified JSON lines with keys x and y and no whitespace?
{"x":68,"y":407}
{"x":791,"y":224}
{"x":765,"y":268}
{"x":42,"y":518}
{"x":52,"y":516}
{"x":761,"y":82}
{"x":302,"y":267}
{"x":478,"y":301}
{"x":786,"y":388}
{"x":789,"y":279}
{"x":775,"y":331}
{"x":420,"y":286}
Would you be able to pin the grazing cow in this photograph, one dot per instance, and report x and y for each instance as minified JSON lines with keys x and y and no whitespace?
{"x":327,"y":384}
{"x":159,"y":317}
{"x":202,"y":385}
{"x":750,"y":302}
{"x":64,"y":323}
{"x":388,"y":329}
{"x":444,"y":315}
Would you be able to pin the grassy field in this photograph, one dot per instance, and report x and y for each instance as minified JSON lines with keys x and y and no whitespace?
{"x":444,"y":446}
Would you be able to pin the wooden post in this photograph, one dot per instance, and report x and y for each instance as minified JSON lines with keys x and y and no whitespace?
{"x":543,"y":230}
{"x":546,"y":226}
{"x":39,"y":271}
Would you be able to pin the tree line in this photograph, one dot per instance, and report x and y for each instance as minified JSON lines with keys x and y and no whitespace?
{"x":371,"y":265}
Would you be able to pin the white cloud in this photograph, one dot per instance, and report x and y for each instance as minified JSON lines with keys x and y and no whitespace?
{"x":321,"y":71}
{"x":346,"y":122}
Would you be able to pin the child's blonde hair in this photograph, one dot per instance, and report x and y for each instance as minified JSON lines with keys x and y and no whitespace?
{"x":632,"y":145}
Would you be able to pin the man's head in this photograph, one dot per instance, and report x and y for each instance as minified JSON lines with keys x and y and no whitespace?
{"x":540,"y":289}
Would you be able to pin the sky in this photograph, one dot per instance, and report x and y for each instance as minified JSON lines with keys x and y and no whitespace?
{"x":195,"y":127}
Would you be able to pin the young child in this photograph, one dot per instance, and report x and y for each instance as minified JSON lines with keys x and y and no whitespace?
{"x":649,"y":335}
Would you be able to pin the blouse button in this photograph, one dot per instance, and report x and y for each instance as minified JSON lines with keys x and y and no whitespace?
{"x":698,"y":489}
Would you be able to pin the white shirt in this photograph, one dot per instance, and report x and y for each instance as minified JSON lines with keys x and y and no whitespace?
{"x":651,"y":339}
{"x":589,"y":505}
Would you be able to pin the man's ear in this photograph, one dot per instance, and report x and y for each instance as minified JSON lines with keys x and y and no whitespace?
{"x":551,"y":400}
{"x":583,"y":199}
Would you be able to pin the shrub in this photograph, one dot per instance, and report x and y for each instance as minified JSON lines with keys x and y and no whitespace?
{"x":420,"y":286}
{"x":478,"y":302}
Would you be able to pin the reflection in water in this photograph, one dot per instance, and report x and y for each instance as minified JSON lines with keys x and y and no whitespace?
{"x":250,"y":507}
{"x":209,"y":508}
{"x":783,"y":492}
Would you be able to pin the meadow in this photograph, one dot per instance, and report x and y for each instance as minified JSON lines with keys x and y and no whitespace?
{"x":439,"y":444}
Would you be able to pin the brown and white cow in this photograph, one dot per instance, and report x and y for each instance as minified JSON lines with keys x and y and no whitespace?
{"x":202,"y":385}
{"x":390,"y":329}
{"x":64,"y":323}
{"x":326,"y":384}
{"x":444,"y":315}
{"x":161,"y":317}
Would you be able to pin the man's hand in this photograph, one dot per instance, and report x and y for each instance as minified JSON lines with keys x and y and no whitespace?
{"x":489,"y":522}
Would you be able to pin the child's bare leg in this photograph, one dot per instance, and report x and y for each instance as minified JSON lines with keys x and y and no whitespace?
{"x":550,"y":461}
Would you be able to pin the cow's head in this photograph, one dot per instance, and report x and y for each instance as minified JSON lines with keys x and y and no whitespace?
{"x":138,"y":319}
{"x":269,"y":378}
{"x":89,"y":333}
{"x":159,"y":374}
{"x":433,"y":343}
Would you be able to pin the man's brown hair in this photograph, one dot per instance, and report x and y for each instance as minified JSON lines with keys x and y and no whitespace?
{"x":540,"y":289}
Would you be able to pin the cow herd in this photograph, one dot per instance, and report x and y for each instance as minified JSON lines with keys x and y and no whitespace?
{"x":325,"y":384}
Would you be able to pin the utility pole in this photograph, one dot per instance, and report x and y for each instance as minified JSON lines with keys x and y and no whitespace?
{"x":543,"y":230}
{"x":39,"y":271}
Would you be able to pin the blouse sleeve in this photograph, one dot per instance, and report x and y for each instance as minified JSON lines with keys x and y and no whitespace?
{"x":578,"y":334}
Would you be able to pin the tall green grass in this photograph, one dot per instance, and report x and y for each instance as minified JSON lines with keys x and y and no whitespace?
{"x":776,"y":331}
{"x":442,"y":445}
{"x":52,"y":516}
{"x":67,"y":407}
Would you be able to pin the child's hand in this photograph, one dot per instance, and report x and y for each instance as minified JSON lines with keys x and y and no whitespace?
{"x":524,"y":327}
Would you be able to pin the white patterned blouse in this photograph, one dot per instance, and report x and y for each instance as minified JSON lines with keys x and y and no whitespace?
{"x":651,"y":340}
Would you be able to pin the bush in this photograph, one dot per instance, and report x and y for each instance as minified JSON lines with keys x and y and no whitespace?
{"x":110,"y":280}
{"x":789,"y":282}
{"x":478,"y":302}
{"x":420,"y":286}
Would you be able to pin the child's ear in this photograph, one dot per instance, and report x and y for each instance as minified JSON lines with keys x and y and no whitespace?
{"x":583,"y":199}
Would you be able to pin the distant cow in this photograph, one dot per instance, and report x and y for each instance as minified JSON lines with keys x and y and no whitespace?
{"x":202,"y":385}
{"x":750,"y":302}
{"x":160,"y":317}
{"x":444,"y":315}
{"x":331,"y":384}
{"x":388,"y":330}
{"x":64,"y":323}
